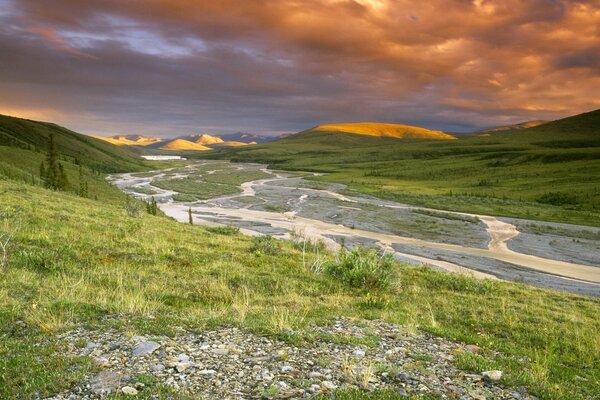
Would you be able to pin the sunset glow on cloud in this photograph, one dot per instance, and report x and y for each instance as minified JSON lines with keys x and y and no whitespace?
{"x":171,"y":66}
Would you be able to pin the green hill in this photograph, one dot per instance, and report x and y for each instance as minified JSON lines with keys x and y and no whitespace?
{"x":550,"y":172}
{"x":23,"y":146}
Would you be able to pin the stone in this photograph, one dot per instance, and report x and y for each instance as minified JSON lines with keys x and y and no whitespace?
{"x":101,"y":361}
{"x":106,"y":382}
{"x":287,"y":368}
{"x":183,"y":358}
{"x":144,"y":348}
{"x":220,"y":352}
{"x":157,"y":367}
{"x":359,"y":352}
{"x":329,"y":385}
{"x":182,"y":366}
{"x":130,"y":391}
{"x":492,"y":376}
{"x":315,"y":375}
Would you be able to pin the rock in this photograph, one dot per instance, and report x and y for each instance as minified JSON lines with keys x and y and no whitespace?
{"x":359,"y":352}
{"x":315,"y":375}
{"x":106,"y":382}
{"x":220,"y":352}
{"x":492,"y":376}
{"x":91,"y":345}
{"x":157,"y":367}
{"x":128,"y":390}
{"x":113,"y":346}
{"x":144,"y":348}
{"x":101,"y":361}
{"x":182,"y":366}
{"x":287,"y":368}
{"x":183,"y":358}
{"x":207,"y":372}
{"x":329,"y":385}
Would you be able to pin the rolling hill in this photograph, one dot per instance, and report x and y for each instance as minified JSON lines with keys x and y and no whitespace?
{"x":376,"y":129}
{"x":23,"y":147}
{"x":182,"y":145}
{"x":97,"y":154}
{"x":514,"y":127}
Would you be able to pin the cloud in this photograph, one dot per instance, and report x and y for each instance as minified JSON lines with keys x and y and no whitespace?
{"x":174,"y":66}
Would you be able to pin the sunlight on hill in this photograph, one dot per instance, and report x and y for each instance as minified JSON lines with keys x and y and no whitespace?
{"x":384,"y":130}
{"x":180,"y":144}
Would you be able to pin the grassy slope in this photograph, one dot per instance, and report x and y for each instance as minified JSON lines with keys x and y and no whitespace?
{"x":77,"y":260}
{"x":94,"y":153}
{"x":505,"y":174}
{"x":23,"y":145}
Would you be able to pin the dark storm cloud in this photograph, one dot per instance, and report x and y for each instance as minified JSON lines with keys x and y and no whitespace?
{"x":171,"y":67}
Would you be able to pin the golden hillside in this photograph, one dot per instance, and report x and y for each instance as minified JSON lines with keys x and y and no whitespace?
{"x":123,"y":140}
{"x":384,"y":130}
{"x":180,"y":144}
{"x":206,"y":139}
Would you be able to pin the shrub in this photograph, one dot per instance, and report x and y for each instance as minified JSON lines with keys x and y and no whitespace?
{"x":265,"y":245}
{"x":557,"y":198}
{"x":133,"y":207}
{"x":362,"y":268}
{"x":224,"y":230}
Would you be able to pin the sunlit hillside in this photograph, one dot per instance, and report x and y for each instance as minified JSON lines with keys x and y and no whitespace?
{"x":180,"y":144}
{"x":383,"y":130}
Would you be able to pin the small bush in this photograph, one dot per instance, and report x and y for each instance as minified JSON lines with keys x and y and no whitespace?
{"x":362,"y":268}
{"x":557,"y":198}
{"x":133,"y":208}
{"x":265,"y":245}
{"x":224,"y":230}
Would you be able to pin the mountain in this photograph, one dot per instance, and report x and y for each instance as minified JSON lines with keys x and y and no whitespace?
{"x":202,"y":138}
{"x":182,"y":144}
{"x":377,"y":129}
{"x":514,"y":127}
{"x":130,"y":140}
{"x":249,"y":138}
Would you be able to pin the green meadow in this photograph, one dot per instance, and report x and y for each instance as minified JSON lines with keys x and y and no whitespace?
{"x":550,"y":172}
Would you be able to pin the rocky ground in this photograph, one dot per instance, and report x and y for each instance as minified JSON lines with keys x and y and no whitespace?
{"x":230,"y":363}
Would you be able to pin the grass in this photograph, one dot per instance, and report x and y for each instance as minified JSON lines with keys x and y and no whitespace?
{"x":550,"y":172}
{"x":76,"y":261}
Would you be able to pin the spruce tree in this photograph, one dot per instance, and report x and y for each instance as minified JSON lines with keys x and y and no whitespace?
{"x":191,"y":220}
{"x":42,"y":172}
{"x":63,"y":180}
{"x":82,"y":182}
{"x":52,"y":169}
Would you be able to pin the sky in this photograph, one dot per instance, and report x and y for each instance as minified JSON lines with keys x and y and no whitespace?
{"x":173,"y":67}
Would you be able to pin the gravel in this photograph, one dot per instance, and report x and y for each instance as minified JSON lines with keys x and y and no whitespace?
{"x":234,"y":364}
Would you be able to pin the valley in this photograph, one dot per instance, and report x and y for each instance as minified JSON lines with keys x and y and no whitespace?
{"x":291,"y":206}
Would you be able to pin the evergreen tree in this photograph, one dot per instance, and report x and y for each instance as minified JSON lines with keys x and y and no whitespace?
{"x":83,"y":188}
{"x":191,"y":220}
{"x":63,"y":181}
{"x":52,"y":170}
{"x":42,"y":172}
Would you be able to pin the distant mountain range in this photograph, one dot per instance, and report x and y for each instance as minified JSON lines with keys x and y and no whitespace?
{"x":194,"y":142}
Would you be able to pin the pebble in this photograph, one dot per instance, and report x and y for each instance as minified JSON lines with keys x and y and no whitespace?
{"x":492,"y":376}
{"x":128,"y":390}
{"x":144,"y":348}
{"x":231,"y":363}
